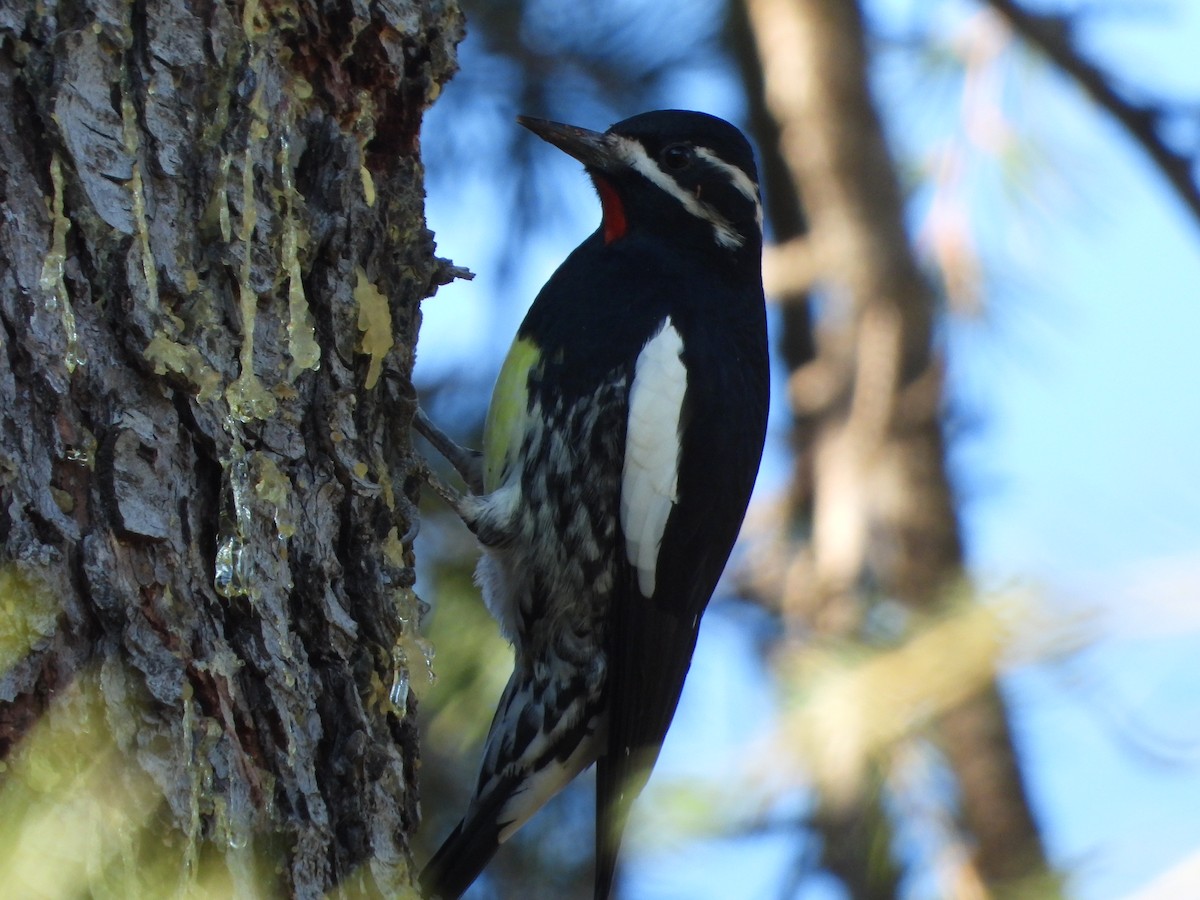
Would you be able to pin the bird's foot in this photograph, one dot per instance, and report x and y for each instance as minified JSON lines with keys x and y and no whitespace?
{"x":467,"y":462}
{"x":452,"y":498}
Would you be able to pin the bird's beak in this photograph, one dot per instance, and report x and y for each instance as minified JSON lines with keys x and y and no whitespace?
{"x":594,"y":149}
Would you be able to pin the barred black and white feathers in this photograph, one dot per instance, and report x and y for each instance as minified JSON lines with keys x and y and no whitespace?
{"x":621,"y":447}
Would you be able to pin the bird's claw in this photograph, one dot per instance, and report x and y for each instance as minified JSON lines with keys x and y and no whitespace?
{"x":467,"y":462}
{"x":452,"y":498}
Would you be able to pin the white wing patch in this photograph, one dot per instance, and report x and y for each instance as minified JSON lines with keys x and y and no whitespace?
{"x":652,"y":446}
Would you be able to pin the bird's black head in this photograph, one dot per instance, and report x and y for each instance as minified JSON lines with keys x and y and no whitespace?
{"x":686,"y":176}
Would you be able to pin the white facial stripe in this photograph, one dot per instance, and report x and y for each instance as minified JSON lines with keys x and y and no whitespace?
{"x":637,"y":158}
{"x":737,"y":178}
{"x":650,"y":479}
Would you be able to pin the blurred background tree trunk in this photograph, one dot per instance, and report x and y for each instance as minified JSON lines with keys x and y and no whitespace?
{"x":870,"y":495}
{"x":212,"y":255}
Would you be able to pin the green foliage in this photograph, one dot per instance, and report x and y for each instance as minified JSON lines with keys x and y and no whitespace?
{"x":473,"y":661}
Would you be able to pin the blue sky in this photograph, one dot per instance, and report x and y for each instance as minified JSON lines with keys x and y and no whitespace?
{"x":1080,"y":482}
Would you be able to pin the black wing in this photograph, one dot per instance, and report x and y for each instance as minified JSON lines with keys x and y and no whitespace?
{"x":651,"y":640}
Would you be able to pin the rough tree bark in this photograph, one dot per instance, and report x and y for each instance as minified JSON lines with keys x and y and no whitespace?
{"x":871,"y":476}
{"x":212,"y":253}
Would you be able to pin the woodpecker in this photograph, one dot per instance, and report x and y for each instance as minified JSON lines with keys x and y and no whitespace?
{"x":620,"y":449}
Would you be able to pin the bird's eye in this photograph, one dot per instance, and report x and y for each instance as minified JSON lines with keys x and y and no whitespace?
{"x":676,"y":156}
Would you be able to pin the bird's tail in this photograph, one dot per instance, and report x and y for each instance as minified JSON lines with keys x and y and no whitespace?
{"x":460,"y":859}
{"x":542,"y":736}
{"x":619,"y":781}
{"x":611,"y":814}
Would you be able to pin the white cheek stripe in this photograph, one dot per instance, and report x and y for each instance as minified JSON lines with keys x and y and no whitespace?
{"x":650,"y":480}
{"x":738,"y":178}
{"x":635,"y":155}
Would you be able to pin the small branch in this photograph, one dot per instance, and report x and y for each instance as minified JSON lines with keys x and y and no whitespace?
{"x":789,"y":269}
{"x":1052,"y":35}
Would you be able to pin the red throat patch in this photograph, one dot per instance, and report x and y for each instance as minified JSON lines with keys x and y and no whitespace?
{"x":615,"y":224}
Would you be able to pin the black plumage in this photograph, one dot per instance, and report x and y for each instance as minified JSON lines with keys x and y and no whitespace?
{"x":622,"y":447}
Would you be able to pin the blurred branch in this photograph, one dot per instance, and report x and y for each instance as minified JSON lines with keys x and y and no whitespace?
{"x":1052,"y":34}
{"x":853,"y":709}
{"x":789,"y":270}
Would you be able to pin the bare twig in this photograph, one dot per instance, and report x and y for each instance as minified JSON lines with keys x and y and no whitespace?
{"x":1052,"y":35}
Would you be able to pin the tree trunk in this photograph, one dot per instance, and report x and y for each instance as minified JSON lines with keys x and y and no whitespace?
{"x":212,"y":255}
